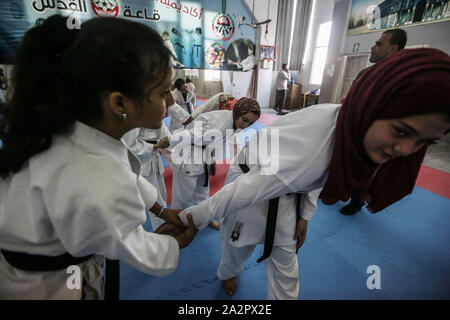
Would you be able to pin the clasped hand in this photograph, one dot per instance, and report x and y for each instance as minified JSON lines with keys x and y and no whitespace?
{"x":174,"y":227}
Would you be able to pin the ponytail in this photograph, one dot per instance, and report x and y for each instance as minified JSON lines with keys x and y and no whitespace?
{"x":61,"y":76}
{"x":34,"y":114}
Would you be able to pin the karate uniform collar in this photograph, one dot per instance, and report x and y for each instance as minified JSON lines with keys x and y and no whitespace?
{"x":97,"y":142}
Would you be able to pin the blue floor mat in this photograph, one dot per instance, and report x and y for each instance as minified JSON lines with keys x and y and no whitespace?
{"x":408,"y":241}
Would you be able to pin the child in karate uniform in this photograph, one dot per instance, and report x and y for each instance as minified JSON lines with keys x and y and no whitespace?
{"x":147,"y":144}
{"x":185,"y":98}
{"x":190,"y":179}
{"x":219,"y":101}
{"x":70,"y":190}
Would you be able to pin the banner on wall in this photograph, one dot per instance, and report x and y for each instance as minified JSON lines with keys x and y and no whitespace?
{"x":375,"y":15}
{"x":202,"y":34}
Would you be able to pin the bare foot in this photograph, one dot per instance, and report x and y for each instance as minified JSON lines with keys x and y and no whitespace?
{"x":215,"y":224}
{"x":230,"y":285}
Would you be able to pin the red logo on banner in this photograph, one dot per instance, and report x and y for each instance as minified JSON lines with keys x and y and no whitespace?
{"x":105,"y":8}
{"x":223,"y":26}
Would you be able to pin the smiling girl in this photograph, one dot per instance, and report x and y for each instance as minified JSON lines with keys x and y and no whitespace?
{"x":70,"y":191}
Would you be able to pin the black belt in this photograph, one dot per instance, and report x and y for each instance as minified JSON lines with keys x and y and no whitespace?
{"x":271,"y":222}
{"x":206,"y":173}
{"x":198,"y":47}
{"x":34,"y":262}
{"x":188,"y":106}
{"x":112,"y":280}
{"x":205,"y":169}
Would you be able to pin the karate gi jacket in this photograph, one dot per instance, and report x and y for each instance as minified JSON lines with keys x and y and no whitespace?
{"x":84,"y":196}
{"x":150,"y":158}
{"x":195,"y":141}
{"x":306,"y":141}
{"x":178,"y":117}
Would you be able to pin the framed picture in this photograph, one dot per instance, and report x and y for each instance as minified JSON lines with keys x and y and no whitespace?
{"x":267,"y":53}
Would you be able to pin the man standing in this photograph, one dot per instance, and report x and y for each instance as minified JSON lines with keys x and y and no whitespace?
{"x":282,"y":81}
{"x":389,"y":43}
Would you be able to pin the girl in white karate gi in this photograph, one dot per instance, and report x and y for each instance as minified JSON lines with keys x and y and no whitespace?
{"x":220,"y":101}
{"x":179,"y":117}
{"x":147,"y":144}
{"x":190,"y":182}
{"x":70,"y":190}
{"x":374,"y":142}
{"x":193,"y":89}
{"x":185,"y":98}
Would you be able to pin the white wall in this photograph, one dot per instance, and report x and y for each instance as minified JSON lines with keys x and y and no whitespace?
{"x":265,"y":93}
{"x":323,"y":11}
{"x":341,"y":12}
{"x":435,"y":35}
{"x":261,"y":13}
{"x":265,"y":76}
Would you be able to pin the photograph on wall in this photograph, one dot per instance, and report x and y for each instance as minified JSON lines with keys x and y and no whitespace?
{"x":375,"y":15}
{"x":189,"y":28}
{"x":240,"y":55}
{"x":267,"y":53}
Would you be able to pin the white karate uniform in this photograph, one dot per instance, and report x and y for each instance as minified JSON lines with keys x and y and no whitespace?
{"x":178,"y":116}
{"x":212,"y":104}
{"x":192,"y":87}
{"x":188,"y":177}
{"x":179,"y":99}
{"x":81,"y":196}
{"x":169,"y":46}
{"x":248,"y":63}
{"x":152,"y":166}
{"x":306,"y":140}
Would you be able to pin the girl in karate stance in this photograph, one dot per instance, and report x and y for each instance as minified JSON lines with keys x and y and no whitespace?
{"x":70,"y":191}
{"x":147,"y":144}
{"x":220,"y":101}
{"x":191,"y":180}
{"x":185,"y":98}
{"x":374,"y":142}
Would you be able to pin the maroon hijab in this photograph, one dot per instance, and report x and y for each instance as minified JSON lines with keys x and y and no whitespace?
{"x":411,"y":82}
{"x":245,"y":105}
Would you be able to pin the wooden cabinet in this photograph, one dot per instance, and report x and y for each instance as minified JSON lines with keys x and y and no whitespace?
{"x":293,"y":96}
{"x":310,"y":100}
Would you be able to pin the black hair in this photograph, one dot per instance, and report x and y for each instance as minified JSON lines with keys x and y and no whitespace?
{"x":398,"y":37}
{"x":179,"y":83}
{"x":63,"y":75}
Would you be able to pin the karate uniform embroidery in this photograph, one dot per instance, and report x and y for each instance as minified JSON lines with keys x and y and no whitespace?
{"x":236,"y":230}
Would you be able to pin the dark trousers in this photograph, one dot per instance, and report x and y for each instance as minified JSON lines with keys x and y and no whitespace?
{"x":356,"y":200}
{"x":279,"y":100}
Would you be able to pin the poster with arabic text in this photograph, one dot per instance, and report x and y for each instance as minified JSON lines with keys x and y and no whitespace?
{"x":198,"y":33}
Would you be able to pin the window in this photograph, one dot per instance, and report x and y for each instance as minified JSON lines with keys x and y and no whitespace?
{"x":320,"y":53}
{"x":212,"y":75}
